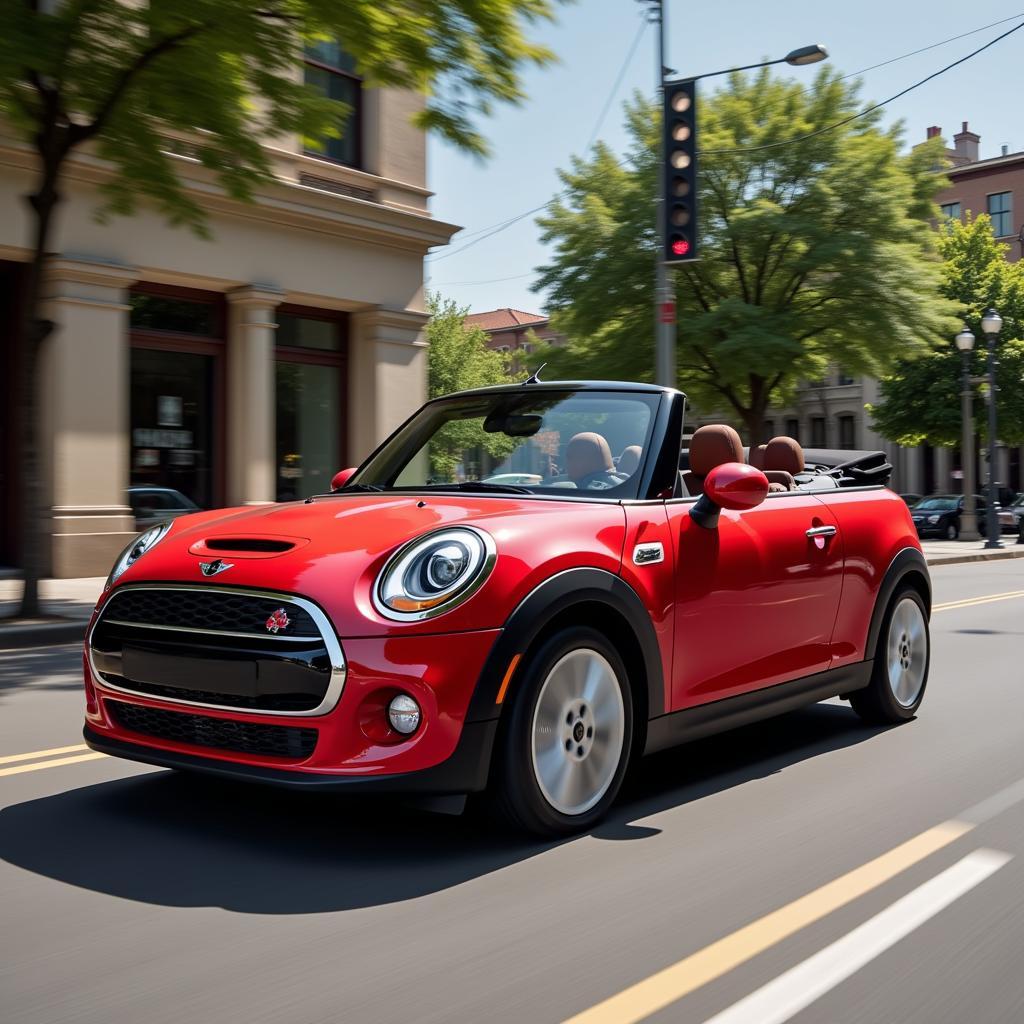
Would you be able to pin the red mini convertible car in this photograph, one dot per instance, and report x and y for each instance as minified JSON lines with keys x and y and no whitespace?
{"x":429,"y":627}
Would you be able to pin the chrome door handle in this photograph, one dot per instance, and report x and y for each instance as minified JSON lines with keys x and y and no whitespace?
{"x":821,"y":531}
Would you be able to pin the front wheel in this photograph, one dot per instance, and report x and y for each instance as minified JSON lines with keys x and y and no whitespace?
{"x":565,"y":751}
{"x":952,"y":531}
{"x":902,"y":657}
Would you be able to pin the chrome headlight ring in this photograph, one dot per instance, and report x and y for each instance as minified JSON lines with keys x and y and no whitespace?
{"x":138,"y":547}
{"x":434,"y":574}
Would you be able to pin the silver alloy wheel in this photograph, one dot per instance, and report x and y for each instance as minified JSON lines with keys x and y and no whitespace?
{"x":578,"y":730}
{"x":907,"y":651}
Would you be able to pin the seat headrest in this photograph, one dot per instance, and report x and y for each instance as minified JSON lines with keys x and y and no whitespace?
{"x":755,"y":457}
{"x":587,"y":453}
{"x":784,"y":453}
{"x":629,"y":460}
{"x":714,"y":445}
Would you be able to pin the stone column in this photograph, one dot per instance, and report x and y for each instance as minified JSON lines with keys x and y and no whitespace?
{"x":251,"y":413}
{"x":84,"y":386}
{"x":387,"y":375}
{"x":943,"y":480}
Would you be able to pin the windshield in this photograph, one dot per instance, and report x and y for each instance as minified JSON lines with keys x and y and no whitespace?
{"x":937,"y":504}
{"x":533,"y":441}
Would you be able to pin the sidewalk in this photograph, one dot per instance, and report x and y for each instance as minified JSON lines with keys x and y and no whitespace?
{"x":69,"y":603}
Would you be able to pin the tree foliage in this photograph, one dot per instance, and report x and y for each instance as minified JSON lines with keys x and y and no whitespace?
{"x":813,"y":252}
{"x":459,"y":360}
{"x":920,"y":399}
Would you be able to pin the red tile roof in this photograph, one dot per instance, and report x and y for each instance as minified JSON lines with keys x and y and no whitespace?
{"x":505,"y":319}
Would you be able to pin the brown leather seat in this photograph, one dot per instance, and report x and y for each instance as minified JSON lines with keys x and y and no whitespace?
{"x":629,"y":460}
{"x":712,"y":445}
{"x":755,"y":457}
{"x":783,"y":460}
{"x":586,"y":454}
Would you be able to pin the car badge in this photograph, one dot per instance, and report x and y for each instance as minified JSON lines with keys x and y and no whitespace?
{"x":277,"y":621}
{"x":214,"y":567}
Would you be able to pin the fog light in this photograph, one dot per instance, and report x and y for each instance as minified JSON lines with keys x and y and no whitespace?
{"x":404,"y":714}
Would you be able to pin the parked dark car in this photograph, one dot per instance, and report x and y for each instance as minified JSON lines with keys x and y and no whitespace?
{"x":938,"y":515}
{"x":154,"y":506}
{"x":1012,"y":515}
{"x":911,"y":499}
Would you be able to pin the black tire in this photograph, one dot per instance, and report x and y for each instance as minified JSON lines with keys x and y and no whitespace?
{"x":878,"y":703}
{"x":517,"y":791}
{"x":952,"y":531}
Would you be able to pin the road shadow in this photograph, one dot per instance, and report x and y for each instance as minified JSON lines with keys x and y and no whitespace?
{"x":51,"y":668}
{"x":190,"y":841}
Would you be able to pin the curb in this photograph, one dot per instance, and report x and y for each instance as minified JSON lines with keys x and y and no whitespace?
{"x":977,"y":556}
{"x":42,"y":634}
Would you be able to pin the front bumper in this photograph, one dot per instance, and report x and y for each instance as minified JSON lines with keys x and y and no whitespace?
{"x":464,"y":772}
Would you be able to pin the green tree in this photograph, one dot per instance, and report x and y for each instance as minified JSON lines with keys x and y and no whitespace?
{"x":459,"y":359}
{"x":121,"y":76}
{"x":920,"y":399}
{"x":816,"y":251}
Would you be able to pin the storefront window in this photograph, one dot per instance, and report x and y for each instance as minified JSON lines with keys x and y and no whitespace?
{"x":171,"y":421}
{"x":310,"y":384}
{"x":168,"y":313}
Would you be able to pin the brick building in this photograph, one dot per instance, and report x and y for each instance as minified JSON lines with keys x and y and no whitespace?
{"x":510,"y":330}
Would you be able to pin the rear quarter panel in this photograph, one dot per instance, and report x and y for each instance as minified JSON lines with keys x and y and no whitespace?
{"x":875,"y":525}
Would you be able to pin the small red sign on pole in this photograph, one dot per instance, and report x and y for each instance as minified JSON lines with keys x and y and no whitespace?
{"x":668,"y":312}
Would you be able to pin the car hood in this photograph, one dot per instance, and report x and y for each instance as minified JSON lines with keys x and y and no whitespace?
{"x":337,"y":545}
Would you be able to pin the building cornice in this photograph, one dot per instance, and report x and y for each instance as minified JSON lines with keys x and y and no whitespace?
{"x":278,"y":202}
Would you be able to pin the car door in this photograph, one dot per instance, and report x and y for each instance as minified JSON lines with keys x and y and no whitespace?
{"x":756,"y":597}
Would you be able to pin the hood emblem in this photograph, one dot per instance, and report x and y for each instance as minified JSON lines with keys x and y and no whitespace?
{"x":278,"y":620}
{"x":214,"y":567}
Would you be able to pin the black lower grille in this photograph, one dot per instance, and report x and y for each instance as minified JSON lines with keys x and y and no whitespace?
{"x":288,"y":741}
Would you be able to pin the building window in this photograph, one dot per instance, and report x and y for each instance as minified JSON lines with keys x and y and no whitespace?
{"x":1000,"y":209}
{"x":310,"y":386}
{"x":767,"y":430}
{"x":793,"y":429}
{"x":177,"y":396}
{"x":817,"y":431}
{"x":331,"y":71}
{"x":847,"y":432}
{"x":950,"y":211}
{"x":843,"y":379}
{"x":526,"y":347}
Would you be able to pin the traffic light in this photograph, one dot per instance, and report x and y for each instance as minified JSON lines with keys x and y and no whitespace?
{"x":680,"y":239}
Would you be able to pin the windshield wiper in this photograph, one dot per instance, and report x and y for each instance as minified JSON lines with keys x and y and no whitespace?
{"x":480,"y":485}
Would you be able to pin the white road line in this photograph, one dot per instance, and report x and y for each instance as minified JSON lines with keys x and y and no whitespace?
{"x":795,"y":990}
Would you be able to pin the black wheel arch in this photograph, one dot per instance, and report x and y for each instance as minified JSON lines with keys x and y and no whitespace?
{"x":589,"y":596}
{"x":908,"y":567}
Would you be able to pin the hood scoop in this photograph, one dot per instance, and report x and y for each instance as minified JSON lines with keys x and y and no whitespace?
{"x":252,"y":546}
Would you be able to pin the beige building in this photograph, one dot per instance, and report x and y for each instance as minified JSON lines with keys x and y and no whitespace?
{"x":244,"y":369}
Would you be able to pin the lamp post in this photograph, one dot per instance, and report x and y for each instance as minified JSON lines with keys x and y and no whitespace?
{"x":992,"y":324}
{"x":664,"y":283}
{"x":969,"y":518}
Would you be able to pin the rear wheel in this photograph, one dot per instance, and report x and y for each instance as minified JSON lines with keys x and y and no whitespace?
{"x":902,"y":657}
{"x":952,"y":531}
{"x":567,"y":745}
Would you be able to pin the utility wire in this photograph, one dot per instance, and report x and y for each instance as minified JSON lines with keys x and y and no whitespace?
{"x":493,"y":229}
{"x":866,"y":110}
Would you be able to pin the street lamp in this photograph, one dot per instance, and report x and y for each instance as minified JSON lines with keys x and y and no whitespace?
{"x":992,"y":324}
{"x":969,"y":519}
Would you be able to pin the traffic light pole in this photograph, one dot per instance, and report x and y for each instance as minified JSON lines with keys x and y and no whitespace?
{"x":664,"y":281}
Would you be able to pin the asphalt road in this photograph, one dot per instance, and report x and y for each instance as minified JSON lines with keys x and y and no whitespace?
{"x":807,"y":869}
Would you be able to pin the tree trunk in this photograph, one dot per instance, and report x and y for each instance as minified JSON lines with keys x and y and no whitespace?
{"x":30,"y":335}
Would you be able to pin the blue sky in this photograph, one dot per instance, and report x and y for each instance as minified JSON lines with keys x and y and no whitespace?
{"x":592,"y":37}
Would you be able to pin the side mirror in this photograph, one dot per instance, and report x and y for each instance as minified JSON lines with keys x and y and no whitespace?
{"x":341,"y":478}
{"x":731,"y":485}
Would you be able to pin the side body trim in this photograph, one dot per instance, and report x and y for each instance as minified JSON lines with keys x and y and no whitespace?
{"x":733,"y":712}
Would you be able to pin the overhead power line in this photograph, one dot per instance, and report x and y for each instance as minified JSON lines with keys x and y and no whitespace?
{"x":493,"y":229}
{"x":866,"y":110}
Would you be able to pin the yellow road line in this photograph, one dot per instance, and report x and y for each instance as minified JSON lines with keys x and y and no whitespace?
{"x":19,"y":768}
{"x":35,"y":754}
{"x":969,"y":602}
{"x":672,"y":983}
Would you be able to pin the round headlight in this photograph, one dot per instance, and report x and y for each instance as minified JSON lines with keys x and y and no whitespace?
{"x":434,"y":574}
{"x":137,"y":549}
